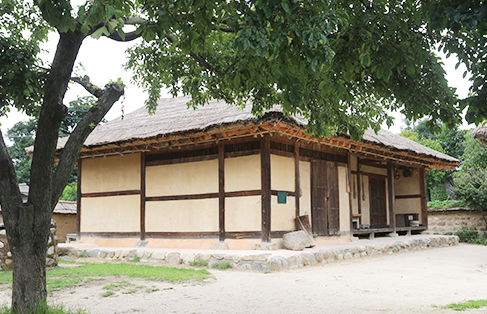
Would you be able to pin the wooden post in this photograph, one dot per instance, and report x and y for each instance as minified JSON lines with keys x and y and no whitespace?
{"x":78,"y":203}
{"x":424,"y":201}
{"x":349,"y":167}
{"x":265,"y":164}
{"x":221,"y":191}
{"x":392,"y":196}
{"x":142,"y":196}
{"x":359,"y":186}
{"x":297,"y":178}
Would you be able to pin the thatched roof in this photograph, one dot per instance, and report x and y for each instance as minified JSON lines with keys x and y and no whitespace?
{"x":173,"y":119}
{"x":480,"y":133}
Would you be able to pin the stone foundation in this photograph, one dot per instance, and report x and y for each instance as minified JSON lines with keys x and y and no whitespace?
{"x":449,"y":221}
{"x":270,"y":260}
{"x":51,"y":255}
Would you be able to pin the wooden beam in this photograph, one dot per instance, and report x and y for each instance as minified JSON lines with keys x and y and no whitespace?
{"x":181,"y":197}
{"x":408,"y":196}
{"x":349,"y":157}
{"x":424,"y":201}
{"x":265,"y":164}
{"x":371,"y":174}
{"x":78,"y":202}
{"x":142,"y":196}
{"x":359,"y":186}
{"x":392,"y":196}
{"x":112,"y":193}
{"x":297,"y":178}
{"x":221,"y":191}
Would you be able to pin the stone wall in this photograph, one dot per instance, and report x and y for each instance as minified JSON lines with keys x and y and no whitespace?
{"x":51,"y":256}
{"x":442,"y":221}
{"x":269,"y":260}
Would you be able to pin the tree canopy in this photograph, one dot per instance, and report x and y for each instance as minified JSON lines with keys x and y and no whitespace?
{"x":340,"y":64}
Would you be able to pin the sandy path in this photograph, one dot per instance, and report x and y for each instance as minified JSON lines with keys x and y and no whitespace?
{"x":400,"y":283}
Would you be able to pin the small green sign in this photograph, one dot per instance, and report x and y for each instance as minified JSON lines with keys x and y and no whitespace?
{"x":281,"y":197}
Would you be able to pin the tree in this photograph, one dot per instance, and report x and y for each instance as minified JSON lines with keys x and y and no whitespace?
{"x":341,"y":64}
{"x":460,"y":28}
{"x":22,"y":136}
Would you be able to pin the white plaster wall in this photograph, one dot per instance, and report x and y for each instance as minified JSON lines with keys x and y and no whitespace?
{"x":408,"y":206}
{"x":182,"y":216}
{"x":182,"y":179}
{"x":282,"y":215}
{"x":242,"y":173}
{"x":407,"y":186}
{"x":243,"y":213}
{"x":110,"y":214}
{"x":305,"y":200}
{"x":344,"y":201}
{"x":282,"y":173}
{"x":106,"y":174}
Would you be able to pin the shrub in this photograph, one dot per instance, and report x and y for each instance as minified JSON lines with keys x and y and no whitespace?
{"x":467,"y":234}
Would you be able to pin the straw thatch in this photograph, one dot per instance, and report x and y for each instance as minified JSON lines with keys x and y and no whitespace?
{"x":172,"y":118}
{"x":480,"y":133}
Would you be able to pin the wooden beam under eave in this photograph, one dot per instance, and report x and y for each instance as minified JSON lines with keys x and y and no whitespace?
{"x":392,"y":196}
{"x":424,"y":201}
{"x":265,"y":164}
{"x":221,"y":192}
{"x":78,"y":202}
{"x":142,"y":196}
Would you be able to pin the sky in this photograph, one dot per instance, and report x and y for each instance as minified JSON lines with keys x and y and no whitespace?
{"x":102,"y":60}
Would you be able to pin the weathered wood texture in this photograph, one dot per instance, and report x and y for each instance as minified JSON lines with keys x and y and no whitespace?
{"x":221,"y":192}
{"x":265,"y":162}
{"x":392,"y":196}
{"x":424,"y":201}
{"x":78,"y":201}
{"x":142,"y":196}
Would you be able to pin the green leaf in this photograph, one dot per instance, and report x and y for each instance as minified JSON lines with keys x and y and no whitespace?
{"x":99,"y":32}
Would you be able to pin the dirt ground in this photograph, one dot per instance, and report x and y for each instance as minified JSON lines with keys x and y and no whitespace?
{"x":414,"y":282}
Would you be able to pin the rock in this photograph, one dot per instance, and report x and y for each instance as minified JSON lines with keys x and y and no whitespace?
{"x":264,"y":246}
{"x":278,"y":263}
{"x":158,"y":256}
{"x":219,"y":246}
{"x":296,"y":241}
{"x":173,"y":258}
{"x":234,"y":258}
{"x":187,"y":258}
{"x":243,"y":266}
{"x":50,"y":250}
{"x":128,"y":253}
{"x":50,"y":262}
{"x":118,"y":254}
{"x":8,"y":263}
{"x":259,"y":266}
{"x":295,"y":261}
{"x":258,"y":258}
{"x":141,"y":244}
{"x":9,"y":254}
{"x":217,"y":256}
{"x":203,"y":257}
{"x":93,"y":253}
{"x":308,"y":259}
{"x":319,"y":257}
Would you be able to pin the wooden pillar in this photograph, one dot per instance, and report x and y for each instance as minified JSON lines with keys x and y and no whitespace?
{"x":359,"y":187}
{"x":265,"y":164}
{"x":221,"y":192}
{"x":78,"y":203}
{"x":392,"y":196}
{"x":424,"y":201}
{"x":142,"y":196}
{"x":349,"y":167}
{"x":297,"y":178}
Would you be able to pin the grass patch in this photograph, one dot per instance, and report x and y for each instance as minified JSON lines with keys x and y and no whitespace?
{"x":45,"y":309}
{"x":63,"y":277}
{"x":199,"y":263}
{"x":222,"y":265}
{"x":107,"y":294}
{"x":470,"y":304}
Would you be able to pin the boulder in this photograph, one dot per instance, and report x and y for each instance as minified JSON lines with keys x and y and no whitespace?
{"x":297,"y":240}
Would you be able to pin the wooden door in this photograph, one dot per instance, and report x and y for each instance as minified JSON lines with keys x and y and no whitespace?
{"x":378,"y":210}
{"x":324,"y":198}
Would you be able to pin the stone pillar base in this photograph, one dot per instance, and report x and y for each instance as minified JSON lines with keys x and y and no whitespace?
{"x":392,"y":235}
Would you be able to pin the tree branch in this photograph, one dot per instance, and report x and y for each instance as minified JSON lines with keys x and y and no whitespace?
{"x":199,"y":59}
{"x":9,"y":188}
{"x":73,"y":147}
{"x":85,"y":82}
{"x":128,"y":36}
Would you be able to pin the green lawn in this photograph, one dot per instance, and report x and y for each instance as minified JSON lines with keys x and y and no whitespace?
{"x":62,"y":277}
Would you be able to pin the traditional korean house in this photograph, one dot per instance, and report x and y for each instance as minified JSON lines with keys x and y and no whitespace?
{"x":187,"y":178}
